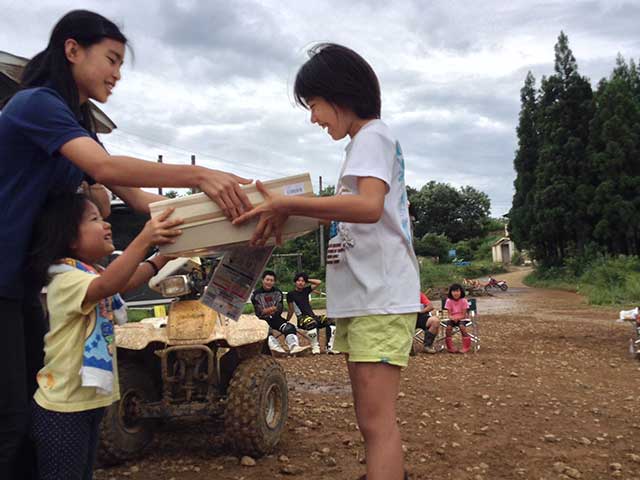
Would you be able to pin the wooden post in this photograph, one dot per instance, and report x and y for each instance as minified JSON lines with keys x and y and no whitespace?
{"x":159,"y":161}
{"x":193,"y":163}
{"x":322,"y":259}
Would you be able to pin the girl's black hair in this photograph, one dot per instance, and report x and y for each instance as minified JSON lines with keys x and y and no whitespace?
{"x":55,"y":229}
{"x":300,"y":274}
{"x":340,"y":76}
{"x":269,"y":272}
{"x":52,"y":67}
{"x":455,"y":286}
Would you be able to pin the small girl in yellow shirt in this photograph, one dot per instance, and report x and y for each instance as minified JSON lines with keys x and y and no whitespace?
{"x":80,"y":378}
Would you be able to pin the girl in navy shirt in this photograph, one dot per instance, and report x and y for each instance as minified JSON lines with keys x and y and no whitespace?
{"x":48,"y":145}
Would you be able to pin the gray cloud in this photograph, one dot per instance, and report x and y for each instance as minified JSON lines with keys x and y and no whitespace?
{"x":214,"y":78}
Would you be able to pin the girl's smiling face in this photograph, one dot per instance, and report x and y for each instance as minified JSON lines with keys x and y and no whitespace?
{"x":456,"y":294}
{"x":339,"y":122}
{"x":94,"y":236}
{"x":95,"y":69}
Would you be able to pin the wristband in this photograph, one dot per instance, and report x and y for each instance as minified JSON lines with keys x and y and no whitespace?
{"x":154,"y":266}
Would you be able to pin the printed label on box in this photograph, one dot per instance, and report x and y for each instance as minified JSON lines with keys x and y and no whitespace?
{"x":234,"y":278}
{"x":295,"y":189}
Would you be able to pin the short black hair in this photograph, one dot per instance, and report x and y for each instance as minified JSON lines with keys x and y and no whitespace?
{"x":456,"y":286}
{"x":340,"y":76}
{"x":269,"y":272}
{"x":55,"y":229}
{"x":300,"y":274}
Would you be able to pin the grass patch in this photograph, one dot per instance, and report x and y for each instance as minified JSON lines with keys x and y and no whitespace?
{"x":137,"y":314}
{"x":556,"y":278}
{"x":603,"y":281}
{"x":442,"y":275}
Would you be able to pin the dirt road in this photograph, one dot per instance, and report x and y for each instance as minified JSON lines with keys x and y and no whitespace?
{"x":552,"y":394}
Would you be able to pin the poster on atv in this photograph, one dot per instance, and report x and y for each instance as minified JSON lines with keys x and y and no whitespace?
{"x":234,"y":278}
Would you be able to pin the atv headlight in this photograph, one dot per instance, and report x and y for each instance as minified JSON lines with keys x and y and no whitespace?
{"x":175,"y":286}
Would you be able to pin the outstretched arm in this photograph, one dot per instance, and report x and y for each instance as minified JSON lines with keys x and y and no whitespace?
{"x":136,"y":198}
{"x":223,"y":188}
{"x":365,"y":207}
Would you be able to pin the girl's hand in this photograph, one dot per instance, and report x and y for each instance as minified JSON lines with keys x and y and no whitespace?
{"x":224,"y":189}
{"x":271,"y":219}
{"x":159,"y":230}
{"x":99,"y":195}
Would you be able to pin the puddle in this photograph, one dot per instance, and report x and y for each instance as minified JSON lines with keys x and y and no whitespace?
{"x":317,"y":388}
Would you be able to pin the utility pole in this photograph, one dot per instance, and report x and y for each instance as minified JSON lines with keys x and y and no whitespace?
{"x":193,"y":162}
{"x":322,"y":259}
{"x":159,"y":161}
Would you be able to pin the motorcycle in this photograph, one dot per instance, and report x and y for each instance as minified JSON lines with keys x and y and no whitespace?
{"x":493,"y":283}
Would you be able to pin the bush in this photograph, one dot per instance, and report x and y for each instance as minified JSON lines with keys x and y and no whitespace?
{"x":517,"y":258}
{"x":432,"y":245}
{"x":603,"y":280}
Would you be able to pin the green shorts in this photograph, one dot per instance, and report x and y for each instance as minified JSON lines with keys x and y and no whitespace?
{"x":376,"y":338}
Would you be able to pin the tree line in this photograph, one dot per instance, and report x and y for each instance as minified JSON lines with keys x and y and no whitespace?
{"x":577,"y":187}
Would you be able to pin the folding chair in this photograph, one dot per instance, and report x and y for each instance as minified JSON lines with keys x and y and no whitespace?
{"x":471,"y":323}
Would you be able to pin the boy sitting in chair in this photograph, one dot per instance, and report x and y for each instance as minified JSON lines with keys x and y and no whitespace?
{"x":428,"y":322}
{"x":268,"y":305}
{"x":298,"y":301}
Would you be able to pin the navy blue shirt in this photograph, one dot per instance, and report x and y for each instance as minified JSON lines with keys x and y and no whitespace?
{"x":33,"y":126}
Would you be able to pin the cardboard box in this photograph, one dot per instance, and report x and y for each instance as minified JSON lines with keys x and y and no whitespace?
{"x":206,"y":230}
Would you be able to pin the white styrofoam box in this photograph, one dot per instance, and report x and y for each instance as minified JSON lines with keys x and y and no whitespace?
{"x":206,"y":230}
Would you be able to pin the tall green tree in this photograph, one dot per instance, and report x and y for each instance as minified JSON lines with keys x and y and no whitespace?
{"x":522,"y":214}
{"x":614,"y":151}
{"x":563,"y":174}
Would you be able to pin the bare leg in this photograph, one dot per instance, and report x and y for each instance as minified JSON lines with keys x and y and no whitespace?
{"x":433,"y":324}
{"x":375,"y":391}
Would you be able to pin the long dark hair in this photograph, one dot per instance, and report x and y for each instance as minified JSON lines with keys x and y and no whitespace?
{"x":340,"y":76}
{"x":51,"y":65}
{"x":55,"y":229}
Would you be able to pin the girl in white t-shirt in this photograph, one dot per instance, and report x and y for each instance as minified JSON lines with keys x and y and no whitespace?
{"x":372,"y":272}
{"x":80,"y":375}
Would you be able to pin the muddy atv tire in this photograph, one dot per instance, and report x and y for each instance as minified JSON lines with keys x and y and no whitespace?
{"x":257,"y":406}
{"x":123,"y":436}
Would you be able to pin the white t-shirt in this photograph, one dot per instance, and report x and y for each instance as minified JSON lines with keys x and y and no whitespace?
{"x":371,"y":267}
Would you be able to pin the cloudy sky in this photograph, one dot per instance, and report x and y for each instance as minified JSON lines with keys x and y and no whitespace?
{"x":214,"y":78}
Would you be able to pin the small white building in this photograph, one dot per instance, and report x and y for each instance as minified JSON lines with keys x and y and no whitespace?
{"x":502,"y":251}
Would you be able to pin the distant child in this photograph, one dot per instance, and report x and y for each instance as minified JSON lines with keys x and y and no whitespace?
{"x":298,"y":302}
{"x":428,"y":322}
{"x":458,"y":307}
{"x":372,"y":273}
{"x":268,"y":305}
{"x":80,"y":375}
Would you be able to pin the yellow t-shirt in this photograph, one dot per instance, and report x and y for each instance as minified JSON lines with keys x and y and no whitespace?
{"x":60,"y":385}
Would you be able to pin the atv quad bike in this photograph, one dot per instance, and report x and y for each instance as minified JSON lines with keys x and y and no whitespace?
{"x":194,"y":363}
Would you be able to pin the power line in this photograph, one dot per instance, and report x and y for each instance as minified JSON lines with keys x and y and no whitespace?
{"x":247,"y":167}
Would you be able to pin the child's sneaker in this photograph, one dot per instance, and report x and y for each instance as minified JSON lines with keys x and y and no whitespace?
{"x":278,"y":349}
{"x":331,"y":351}
{"x":275,"y":346}
{"x":430,"y":349}
{"x":315,"y":349}
{"x":298,"y":349}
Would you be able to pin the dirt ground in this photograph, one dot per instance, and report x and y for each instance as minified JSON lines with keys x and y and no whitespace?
{"x":552,"y":394}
